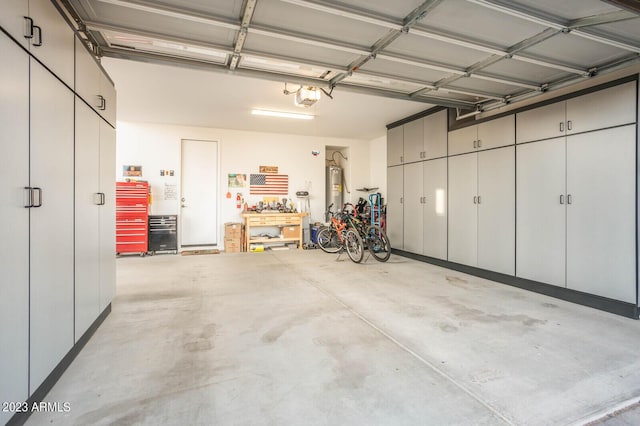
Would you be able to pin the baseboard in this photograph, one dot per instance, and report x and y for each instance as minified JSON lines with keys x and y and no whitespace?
{"x":598,"y":302}
{"x":52,"y":378}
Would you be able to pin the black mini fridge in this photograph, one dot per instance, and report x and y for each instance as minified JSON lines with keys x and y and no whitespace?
{"x":163,"y":233}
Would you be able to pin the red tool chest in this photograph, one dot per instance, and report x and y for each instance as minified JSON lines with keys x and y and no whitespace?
{"x":132,"y":215}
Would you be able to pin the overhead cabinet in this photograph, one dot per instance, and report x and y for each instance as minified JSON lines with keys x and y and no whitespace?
{"x":614,"y":106}
{"x":93,"y":85}
{"x":422,"y":139}
{"x":486,"y":135}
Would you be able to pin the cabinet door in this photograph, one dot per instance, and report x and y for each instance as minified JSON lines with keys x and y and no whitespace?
{"x":434,"y":238}
{"x":540,"y":229}
{"x":87,"y":259}
{"x":585,"y":112}
{"x":413,"y":141}
{"x":57,"y":49}
{"x":541,"y":123}
{"x":13,"y":21}
{"x":107,"y":215}
{"x":395,"y":145}
{"x":497,"y":133}
{"x":463,"y":140}
{"x":601,"y":217}
{"x":108,"y":93}
{"x":51,"y":251}
{"x":87,"y":76}
{"x":435,"y":135}
{"x":14,"y":252}
{"x":496,"y":210}
{"x":395,"y":207}
{"x":413,"y":207}
{"x":463,"y":213}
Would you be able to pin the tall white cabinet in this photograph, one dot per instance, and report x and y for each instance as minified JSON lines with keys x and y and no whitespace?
{"x":53,"y":150}
{"x":577,"y":192}
{"x":417,"y":186}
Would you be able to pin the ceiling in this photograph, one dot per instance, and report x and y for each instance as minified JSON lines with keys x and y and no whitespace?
{"x":474,"y":55}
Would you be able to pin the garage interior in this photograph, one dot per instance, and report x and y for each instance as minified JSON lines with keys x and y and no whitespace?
{"x":525,"y":315}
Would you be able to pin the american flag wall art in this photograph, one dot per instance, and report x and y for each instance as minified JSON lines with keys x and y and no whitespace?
{"x":268,"y":184}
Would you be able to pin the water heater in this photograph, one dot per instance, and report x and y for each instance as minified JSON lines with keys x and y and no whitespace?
{"x":334,"y":187}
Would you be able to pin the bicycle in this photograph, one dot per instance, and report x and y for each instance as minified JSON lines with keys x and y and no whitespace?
{"x":338,"y":237}
{"x":373,"y":236}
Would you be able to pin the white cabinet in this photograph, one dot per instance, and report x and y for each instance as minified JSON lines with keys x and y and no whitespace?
{"x":435,"y":135}
{"x":395,"y":207}
{"x":490,"y":134}
{"x":540,"y":231}
{"x":418,"y":140}
{"x":413,"y":141}
{"x":413,"y":220}
{"x":38,"y":26}
{"x":95,"y":204}
{"x":496,"y":210}
{"x":93,"y":85}
{"x":14,"y":252}
{"x":576,"y":212}
{"x":482,"y":209}
{"x":601,"y":198}
{"x":614,"y":106}
{"x":12,"y":19}
{"x":51,"y":252}
{"x":463,"y":212}
{"x":395,"y":145}
{"x":107,"y":215}
{"x":434,"y":204}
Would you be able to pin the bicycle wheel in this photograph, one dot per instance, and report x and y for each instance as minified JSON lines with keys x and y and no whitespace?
{"x":378,"y":243}
{"x":328,"y":240}
{"x":354,"y":246}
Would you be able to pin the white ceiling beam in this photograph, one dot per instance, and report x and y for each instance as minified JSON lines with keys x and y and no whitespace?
{"x":339,"y":10}
{"x":247,"y":14}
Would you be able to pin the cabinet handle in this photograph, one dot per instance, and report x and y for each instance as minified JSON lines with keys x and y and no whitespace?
{"x":28,"y":27}
{"x":479,"y":143}
{"x":401,"y":200}
{"x":39,"y":31}
{"x":401,"y":159}
{"x":103,"y":199}
{"x":100,"y":101}
{"x":475,"y":144}
{"x":569,"y":125}
{"x":104,"y":104}
{"x":475,"y":199}
{"x":569,"y":199}
{"x":29,"y":197}
{"x":478,"y":199}
{"x":561,"y":198}
{"x":39,"y":191}
{"x":562,"y":126}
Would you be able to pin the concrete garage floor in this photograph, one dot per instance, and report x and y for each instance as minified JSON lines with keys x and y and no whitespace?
{"x":296,"y":338}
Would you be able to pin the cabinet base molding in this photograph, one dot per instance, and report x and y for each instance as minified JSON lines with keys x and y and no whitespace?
{"x":52,"y":378}
{"x":598,"y":302}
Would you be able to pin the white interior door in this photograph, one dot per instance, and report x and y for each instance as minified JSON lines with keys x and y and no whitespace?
{"x":198,"y":212}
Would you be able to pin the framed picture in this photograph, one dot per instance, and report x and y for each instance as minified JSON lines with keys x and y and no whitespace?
{"x":237,"y":180}
{"x":132,"y":171}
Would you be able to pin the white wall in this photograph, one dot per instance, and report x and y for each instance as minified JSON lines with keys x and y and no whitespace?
{"x":157,"y":147}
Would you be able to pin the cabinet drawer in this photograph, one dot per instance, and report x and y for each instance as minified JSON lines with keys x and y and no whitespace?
{"x":287,"y":221}
{"x":261,"y":221}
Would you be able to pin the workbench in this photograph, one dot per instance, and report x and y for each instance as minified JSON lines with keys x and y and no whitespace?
{"x":273,"y":220}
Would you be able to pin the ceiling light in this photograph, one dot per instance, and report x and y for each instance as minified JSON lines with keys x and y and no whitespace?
{"x":281,"y":114}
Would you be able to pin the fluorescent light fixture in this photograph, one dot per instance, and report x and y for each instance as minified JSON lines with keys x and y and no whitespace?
{"x":281,"y":114}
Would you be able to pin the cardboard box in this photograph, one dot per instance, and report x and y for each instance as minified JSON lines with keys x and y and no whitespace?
{"x":232,"y":245}
{"x":233,"y":230}
{"x":291,"y":231}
